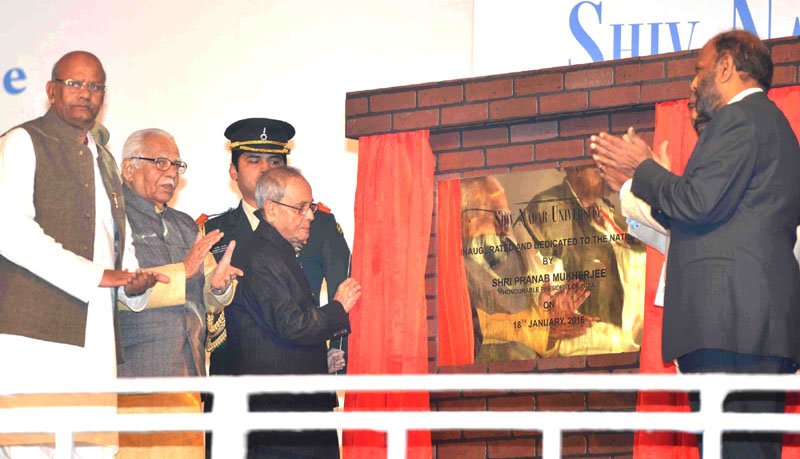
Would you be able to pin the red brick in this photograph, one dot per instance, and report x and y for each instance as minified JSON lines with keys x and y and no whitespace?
{"x":430,"y":286}
{"x":660,"y":92}
{"x":538,"y":84}
{"x":463,"y":404}
{"x":432,"y":330}
{"x":440,"y":396}
{"x":393,"y":101}
{"x":581,"y":125}
{"x":484,"y":90}
{"x":512,"y":366}
{"x":554,"y":150}
{"x":432,"y":245}
{"x":432,"y":347}
{"x":786,"y":53}
{"x":572,"y":445}
{"x":487,"y":433}
{"x":417,"y":119}
{"x":784,"y":75}
{"x":485,"y":172}
{"x":464,"y":114}
{"x":431,"y":367}
{"x":610,"y":443}
{"x":563,"y":102}
{"x":431,"y":306}
{"x":481,"y":137}
{"x":530,"y":132}
{"x":475,"y":368}
{"x":589,"y":78}
{"x":623,"y":359}
{"x":512,"y":403}
{"x":443,"y":435}
{"x":631,"y":73}
{"x":558,"y":363}
{"x":509,"y":155}
{"x":565,"y":401}
{"x":486,"y":393}
{"x":640,"y":119}
{"x":520,"y":447}
{"x":440,"y":96}
{"x":472,"y":450}
{"x":518,"y":107}
{"x":528,"y":433}
{"x":681,"y":67}
{"x":611,"y":401}
{"x":647,"y":137}
{"x":430,"y":265}
{"x":365,"y":125}
{"x":445,"y":141}
{"x":460,"y":160}
{"x":612,"y":97}
{"x":355,"y":106}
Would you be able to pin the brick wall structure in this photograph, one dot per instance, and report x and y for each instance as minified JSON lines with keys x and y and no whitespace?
{"x":525,"y":121}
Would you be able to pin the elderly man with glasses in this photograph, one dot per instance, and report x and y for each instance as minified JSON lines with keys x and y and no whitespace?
{"x":167,"y":338}
{"x":275,"y":324}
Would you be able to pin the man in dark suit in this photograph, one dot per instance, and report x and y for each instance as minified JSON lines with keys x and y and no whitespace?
{"x":258,"y":145}
{"x":275,"y":324}
{"x":733,"y":285}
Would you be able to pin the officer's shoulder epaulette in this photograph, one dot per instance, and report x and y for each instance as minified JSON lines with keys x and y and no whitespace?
{"x":323,"y":208}
{"x":205,"y":218}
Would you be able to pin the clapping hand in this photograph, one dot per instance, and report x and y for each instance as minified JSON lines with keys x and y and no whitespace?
{"x":202,"y":244}
{"x":617,"y":158}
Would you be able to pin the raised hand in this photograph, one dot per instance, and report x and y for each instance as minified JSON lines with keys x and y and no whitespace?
{"x":348,"y":293}
{"x":224,"y":274}
{"x":202,"y":244}
{"x":617,"y":158}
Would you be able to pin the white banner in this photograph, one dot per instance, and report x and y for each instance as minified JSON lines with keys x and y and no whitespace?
{"x":518,"y":35}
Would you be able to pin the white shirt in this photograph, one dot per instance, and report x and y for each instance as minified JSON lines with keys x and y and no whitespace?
{"x":23,"y":242}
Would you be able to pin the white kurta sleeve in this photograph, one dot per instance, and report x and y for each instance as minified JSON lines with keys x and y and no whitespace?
{"x":22,"y":240}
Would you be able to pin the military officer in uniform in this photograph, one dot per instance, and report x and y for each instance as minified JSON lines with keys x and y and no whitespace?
{"x":257,"y":145}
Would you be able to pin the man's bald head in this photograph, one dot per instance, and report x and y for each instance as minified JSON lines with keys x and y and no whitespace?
{"x":77,"y":88}
{"x":66,"y":58}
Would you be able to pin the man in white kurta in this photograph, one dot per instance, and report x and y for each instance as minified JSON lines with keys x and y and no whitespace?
{"x":26,"y":361}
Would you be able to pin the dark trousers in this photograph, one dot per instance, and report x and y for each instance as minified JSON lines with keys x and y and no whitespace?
{"x":745,"y":445}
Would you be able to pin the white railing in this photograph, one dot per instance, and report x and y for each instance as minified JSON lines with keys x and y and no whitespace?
{"x":230,"y":420}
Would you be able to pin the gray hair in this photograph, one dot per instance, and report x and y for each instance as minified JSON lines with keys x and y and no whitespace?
{"x":272,"y":184}
{"x":135,"y":144}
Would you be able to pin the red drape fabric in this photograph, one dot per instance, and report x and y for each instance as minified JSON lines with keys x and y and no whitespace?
{"x":455,"y":334}
{"x":393,"y":208}
{"x":673,"y":123}
{"x":788,"y":100}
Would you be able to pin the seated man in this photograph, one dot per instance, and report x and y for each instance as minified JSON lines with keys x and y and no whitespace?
{"x":166,"y":339}
{"x":275,"y":325}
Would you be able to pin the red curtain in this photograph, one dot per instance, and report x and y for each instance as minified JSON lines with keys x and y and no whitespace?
{"x":673,"y":123}
{"x":455,"y":334}
{"x":393,"y":207}
{"x":788,"y":100}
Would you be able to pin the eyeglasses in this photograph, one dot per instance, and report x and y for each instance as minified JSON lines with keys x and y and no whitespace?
{"x":77,"y":85}
{"x":301,"y":209}
{"x":163,"y":164}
